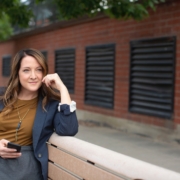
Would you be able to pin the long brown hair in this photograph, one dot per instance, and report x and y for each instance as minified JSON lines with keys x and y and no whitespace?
{"x":14,"y":87}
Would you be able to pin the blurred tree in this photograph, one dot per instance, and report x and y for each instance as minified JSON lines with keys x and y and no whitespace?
{"x":25,"y":13}
{"x":5,"y":27}
{"x":136,"y":9}
{"x":13,"y":12}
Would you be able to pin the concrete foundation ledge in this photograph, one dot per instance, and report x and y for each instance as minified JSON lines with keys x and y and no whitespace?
{"x":152,"y":131}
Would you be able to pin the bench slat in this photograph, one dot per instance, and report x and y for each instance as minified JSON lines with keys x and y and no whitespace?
{"x":79,"y":167}
{"x":56,"y":173}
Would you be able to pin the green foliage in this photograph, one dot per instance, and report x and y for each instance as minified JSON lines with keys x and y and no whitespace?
{"x":5,"y":27}
{"x":16,"y":13}
{"x":13,"y":12}
{"x":136,"y":9}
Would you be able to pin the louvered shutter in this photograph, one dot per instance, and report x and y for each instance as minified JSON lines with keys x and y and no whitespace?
{"x":64,"y":66}
{"x":99,"y":85}
{"x":45,"y":54}
{"x":6,"y":65}
{"x":152,"y":77}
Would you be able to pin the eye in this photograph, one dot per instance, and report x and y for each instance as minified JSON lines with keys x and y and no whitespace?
{"x":25,"y":70}
{"x":39,"y":69}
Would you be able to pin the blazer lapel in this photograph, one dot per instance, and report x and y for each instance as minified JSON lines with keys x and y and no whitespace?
{"x":38,"y":122}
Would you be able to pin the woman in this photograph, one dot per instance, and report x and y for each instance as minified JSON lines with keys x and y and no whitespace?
{"x":34,"y":105}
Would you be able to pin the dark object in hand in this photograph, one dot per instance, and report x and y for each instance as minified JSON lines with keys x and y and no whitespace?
{"x":14,"y":146}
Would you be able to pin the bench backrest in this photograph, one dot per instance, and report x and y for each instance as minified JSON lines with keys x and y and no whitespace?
{"x":71,"y":158}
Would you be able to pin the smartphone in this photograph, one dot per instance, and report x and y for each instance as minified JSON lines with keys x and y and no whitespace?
{"x":14,"y":146}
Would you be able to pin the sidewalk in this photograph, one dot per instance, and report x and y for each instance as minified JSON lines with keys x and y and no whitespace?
{"x":162,"y":154}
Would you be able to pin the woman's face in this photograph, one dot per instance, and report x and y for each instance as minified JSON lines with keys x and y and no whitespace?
{"x":30,"y":75}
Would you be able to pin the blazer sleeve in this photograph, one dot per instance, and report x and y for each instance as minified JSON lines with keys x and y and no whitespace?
{"x":65,"y":121}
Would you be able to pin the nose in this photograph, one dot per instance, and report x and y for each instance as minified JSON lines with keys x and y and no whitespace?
{"x":33,"y":75}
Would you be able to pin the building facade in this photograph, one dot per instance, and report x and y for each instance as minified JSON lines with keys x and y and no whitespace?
{"x":122,"y":73}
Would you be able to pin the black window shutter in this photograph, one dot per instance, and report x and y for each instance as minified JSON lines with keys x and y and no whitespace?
{"x":6,"y":65}
{"x":45,"y":54}
{"x":99,"y":84}
{"x":152,"y":77}
{"x":64,"y":66}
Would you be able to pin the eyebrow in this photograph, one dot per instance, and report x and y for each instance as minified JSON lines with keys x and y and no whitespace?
{"x":30,"y":67}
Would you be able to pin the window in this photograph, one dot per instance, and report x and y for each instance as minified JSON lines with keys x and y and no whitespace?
{"x":99,"y":84}
{"x":152,"y":77}
{"x":64,"y":66}
{"x":6,"y":65}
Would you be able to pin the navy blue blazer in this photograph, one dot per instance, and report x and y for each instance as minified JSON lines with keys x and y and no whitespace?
{"x":64,"y":123}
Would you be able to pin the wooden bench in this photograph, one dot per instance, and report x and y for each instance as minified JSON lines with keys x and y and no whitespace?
{"x":73,"y":159}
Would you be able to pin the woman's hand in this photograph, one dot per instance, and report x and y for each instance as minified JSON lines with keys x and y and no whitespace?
{"x":54,"y":81}
{"x":7,"y":152}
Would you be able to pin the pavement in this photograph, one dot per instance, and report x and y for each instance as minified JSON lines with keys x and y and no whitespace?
{"x":160,"y":153}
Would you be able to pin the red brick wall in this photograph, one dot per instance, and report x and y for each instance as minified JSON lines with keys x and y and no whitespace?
{"x":164,"y":22}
